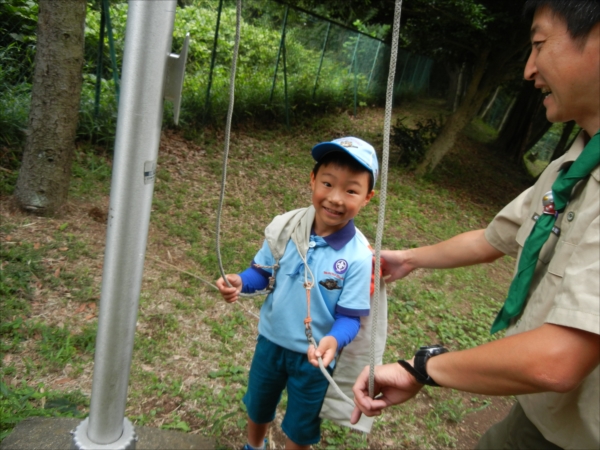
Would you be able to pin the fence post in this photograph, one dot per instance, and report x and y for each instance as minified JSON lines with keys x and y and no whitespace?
{"x":321,"y":60}
{"x":403,"y":71}
{"x":100,"y":60}
{"x":281,"y":43}
{"x":285,"y":84}
{"x":111,"y":47}
{"x":212,"y":62}
{"x":373,"y":66}
{"x":355,"y":74}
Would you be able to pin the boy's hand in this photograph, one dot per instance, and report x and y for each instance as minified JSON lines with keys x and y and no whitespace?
{"x":230,"y":294}
{"x":326,"y":350}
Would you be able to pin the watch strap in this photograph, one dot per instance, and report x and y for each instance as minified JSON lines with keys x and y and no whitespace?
{"x":419,"y":371}
{"x":410,"y":369}
{"x":421,"y":378}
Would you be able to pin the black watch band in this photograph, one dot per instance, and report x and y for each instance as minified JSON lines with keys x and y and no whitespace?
{"x":419,"y":371}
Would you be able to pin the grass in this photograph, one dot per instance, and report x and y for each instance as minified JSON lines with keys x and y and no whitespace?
{"x":192,"y":351}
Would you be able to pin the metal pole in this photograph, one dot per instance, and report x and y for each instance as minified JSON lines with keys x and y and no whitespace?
{"x":100,"y":60}
{"x":373,"y":66}
{"x":147,"y":49}
{"x":279,"y":51}
{"x":354,"y":53}
{"x":111,"y":46}
{"x":355,"y":62}
{"x":321,"y":61}
{"x":285,"y":83}
{"x":212,"y":62}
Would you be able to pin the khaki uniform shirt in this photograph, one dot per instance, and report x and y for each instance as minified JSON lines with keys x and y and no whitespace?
{"x":565,"y":290}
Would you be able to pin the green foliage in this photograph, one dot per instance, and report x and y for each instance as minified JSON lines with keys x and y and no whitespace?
{"x":21,"y":265}
{"x":91,"y":173}
{"x":414,"y":142}
{"x":23,"y":401}
{"x":14,"y":100}
{"x":335,"y":436}
{"x":18,"y":22}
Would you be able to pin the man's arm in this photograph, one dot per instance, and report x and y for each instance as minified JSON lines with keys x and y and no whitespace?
{"x":462,"y":250}
{"x":550,"y":358}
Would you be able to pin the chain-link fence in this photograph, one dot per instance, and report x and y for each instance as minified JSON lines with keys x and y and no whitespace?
{"x":291,"y":63}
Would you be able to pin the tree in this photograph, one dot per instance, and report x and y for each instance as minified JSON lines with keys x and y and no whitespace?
{"x":43,"y":181}
{"x":482,"y":42}
{"x":486,"y":35}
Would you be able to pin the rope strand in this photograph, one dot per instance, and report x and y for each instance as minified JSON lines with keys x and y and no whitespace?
{"x":383,"y":190}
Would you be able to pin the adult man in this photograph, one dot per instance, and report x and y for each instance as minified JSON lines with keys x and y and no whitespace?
{"x":551,"y":353}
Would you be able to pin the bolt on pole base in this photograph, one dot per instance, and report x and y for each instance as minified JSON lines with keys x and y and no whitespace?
{"x":125,"y":442}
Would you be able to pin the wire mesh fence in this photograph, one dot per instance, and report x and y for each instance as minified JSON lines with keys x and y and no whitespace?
{"x":291,"y":62}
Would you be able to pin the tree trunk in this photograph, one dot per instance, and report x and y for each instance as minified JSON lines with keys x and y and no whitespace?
{"x":476,"y":94}
{"x":43,"y":181}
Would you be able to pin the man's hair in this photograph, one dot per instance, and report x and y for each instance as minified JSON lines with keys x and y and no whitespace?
{"x":343,"y":160}
{"x":580,"y":15}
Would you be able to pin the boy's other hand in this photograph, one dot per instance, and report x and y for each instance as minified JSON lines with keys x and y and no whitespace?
{"x":326,"y":350}
{"x":230,"y":294}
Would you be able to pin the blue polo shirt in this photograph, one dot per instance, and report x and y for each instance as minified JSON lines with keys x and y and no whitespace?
{"x":341,"y":264}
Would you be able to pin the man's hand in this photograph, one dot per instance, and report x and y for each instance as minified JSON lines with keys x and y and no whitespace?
{"x":326,"y":350}
{"x":230,"y":294}
{"x":394,"y":384}
{"x":395,"y":264}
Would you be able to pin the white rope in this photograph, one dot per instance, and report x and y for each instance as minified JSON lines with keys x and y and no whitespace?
{"x":389,"y":97}
{"x":236,"y":50}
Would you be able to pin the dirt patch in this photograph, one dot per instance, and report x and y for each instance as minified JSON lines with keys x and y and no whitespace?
{"x":475,"y":424}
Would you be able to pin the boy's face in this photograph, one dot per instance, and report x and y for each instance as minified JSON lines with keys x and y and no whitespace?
{"x":566,"y":70}
{"x":338,"y":194}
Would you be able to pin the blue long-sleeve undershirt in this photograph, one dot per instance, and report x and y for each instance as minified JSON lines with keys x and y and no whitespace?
{"x":345,"y":327}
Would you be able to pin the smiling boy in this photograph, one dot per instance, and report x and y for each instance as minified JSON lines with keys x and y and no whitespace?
{"x":318,"y":248}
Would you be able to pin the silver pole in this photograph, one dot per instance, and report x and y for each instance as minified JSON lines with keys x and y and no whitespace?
{"x":147,"y":48}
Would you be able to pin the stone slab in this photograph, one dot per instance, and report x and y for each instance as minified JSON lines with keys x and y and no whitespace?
{"x":49,"y":433}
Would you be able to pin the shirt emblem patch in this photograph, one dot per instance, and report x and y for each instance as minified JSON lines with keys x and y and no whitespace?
{"x":340,"y":266}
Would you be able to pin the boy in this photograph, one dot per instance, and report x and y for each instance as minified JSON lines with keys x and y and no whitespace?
{"x":321,"y":265}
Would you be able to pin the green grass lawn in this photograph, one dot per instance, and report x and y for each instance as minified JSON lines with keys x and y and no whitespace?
{"x":192,"y":350}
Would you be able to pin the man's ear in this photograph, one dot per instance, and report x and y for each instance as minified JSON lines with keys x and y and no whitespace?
{"x":369,"y":196}
{"x":312,"y":180}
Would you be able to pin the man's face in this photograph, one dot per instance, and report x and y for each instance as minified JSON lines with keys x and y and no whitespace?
{"x":566,"y":70}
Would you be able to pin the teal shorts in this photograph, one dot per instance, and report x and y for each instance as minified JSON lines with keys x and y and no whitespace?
{"x":274,"y":369}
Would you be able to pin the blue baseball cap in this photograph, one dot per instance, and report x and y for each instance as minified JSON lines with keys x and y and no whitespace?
{"x":360,"y":150}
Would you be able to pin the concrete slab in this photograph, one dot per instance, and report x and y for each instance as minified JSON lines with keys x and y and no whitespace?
{"x":49,"y":433}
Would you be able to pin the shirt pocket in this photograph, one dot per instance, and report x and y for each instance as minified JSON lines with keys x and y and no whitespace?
{"x":547,"y":251}
{"x":561,"y":258}
{"x":330,"y":290}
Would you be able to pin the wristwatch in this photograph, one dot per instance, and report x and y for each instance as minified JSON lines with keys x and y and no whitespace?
{"x":419,"y":371}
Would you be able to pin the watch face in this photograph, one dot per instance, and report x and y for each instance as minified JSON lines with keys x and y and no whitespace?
{"x":432,"y":350}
